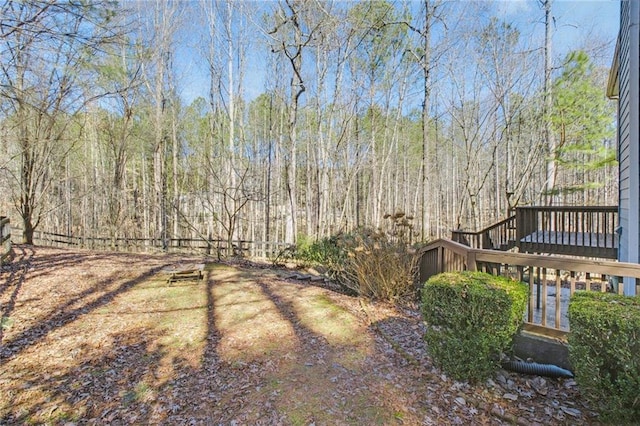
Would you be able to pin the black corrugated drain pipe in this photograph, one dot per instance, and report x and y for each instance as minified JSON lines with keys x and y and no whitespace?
{"x":533,"y":368}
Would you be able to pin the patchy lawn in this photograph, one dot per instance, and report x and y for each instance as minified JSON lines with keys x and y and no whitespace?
{"x":95,"y":338}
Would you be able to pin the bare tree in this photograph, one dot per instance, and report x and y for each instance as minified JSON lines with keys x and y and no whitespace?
{"x":158,"y":73}
{"x":45,"y":56}
{"x":423,"y":53}
{"x":291,"y":34}
{"x":548,"y":102}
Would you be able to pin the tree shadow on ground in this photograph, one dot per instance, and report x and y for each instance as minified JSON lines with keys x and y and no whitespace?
{"x":298,"y":377}
{"x":266,"y":351}
{"x":307,"y":362}
{"x":134,"y":376}
{"x":113,"y":386}
{"x":88,"y":300}
{"x":28,"y":263}
{"x":13,"y":284}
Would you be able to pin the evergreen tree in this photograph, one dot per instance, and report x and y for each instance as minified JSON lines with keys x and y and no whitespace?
{"x":582,"y":119}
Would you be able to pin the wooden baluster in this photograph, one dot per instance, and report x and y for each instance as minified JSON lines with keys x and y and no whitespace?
{"x":544,"y":296}
{"x":558,"y":323}
{"x":531,"y":296}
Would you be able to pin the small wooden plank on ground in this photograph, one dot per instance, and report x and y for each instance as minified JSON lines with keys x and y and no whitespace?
{"x":192,"y":271}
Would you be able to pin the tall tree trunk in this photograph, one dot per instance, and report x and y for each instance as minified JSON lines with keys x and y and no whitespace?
{"x":296,"y":90}
{"x":233,"y":192}
{"x":425,"y":64}
{"x":267,"y":210}
{"x":550,"y":183}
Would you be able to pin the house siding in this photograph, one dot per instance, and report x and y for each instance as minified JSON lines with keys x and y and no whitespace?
{"x":628,"y":134}
{"x":623,"y":129}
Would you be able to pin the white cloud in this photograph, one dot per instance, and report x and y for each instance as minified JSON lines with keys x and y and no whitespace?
{"x":507,"y":8}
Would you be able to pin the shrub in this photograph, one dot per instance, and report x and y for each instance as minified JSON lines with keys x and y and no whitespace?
{"x":604,"y":349}
{"x":375,"y":265}
{"x":472,"y":318}
{"x":325,"y":251}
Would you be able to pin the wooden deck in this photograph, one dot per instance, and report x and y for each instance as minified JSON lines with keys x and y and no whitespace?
{"x":588,"y":244}
{"x":588,"y":231}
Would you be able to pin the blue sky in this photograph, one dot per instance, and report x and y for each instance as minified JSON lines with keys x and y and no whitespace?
{"x":578,"y":22}
{"x":575,"y":20}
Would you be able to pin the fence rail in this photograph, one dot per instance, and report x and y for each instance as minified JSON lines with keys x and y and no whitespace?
{"x":552,"y":280}
{"x":5,"y":238}
{"x":257,"y":249}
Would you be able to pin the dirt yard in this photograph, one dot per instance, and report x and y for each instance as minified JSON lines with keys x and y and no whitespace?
{"x":103,"y":338}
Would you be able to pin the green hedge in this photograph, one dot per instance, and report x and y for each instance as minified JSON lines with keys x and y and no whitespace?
{"x":471,"y":317}
{"x":604,"y":349}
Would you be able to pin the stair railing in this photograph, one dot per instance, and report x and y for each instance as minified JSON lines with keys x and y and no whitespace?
{"x":499,"y":236}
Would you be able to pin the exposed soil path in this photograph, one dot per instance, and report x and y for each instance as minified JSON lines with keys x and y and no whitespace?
{"x":97,"y":338}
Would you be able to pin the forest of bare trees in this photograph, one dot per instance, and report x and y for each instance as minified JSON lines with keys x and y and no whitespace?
{"x":272,"y":121}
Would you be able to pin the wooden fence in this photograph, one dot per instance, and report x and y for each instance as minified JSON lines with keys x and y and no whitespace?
{"x":257,"y":249}
{"x":552,"y":279}
{"x":5,"y":238}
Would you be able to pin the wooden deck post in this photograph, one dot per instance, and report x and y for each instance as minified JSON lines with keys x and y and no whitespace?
{"x":471,"y":261}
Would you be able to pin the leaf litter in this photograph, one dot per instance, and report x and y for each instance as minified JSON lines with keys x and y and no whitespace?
{"x":95,"y":338}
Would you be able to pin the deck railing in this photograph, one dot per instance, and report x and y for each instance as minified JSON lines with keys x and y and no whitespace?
{"x":573,"y":230}
{"x":552,"y":280}
{"x":499,"y":236}
{"x":5,"y":238}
